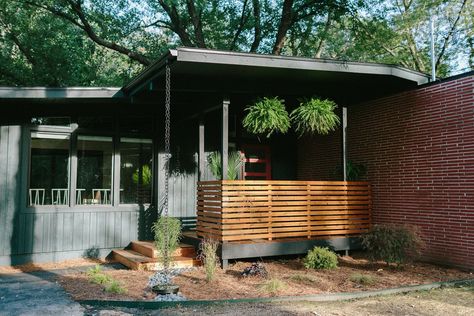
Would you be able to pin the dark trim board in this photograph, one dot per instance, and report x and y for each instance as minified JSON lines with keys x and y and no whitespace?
{"x":228,"y":251}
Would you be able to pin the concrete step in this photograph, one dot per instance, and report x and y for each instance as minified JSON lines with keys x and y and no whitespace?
{"x":137,"y":261}
{"x":148,"y":249}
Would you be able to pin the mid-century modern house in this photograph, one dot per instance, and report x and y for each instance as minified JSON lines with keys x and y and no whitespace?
{"x":82,"y":169}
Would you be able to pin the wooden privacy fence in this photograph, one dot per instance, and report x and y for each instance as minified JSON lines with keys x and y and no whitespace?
{"x":246,"y":210}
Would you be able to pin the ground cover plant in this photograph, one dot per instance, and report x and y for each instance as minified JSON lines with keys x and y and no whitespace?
{"x":273,"y":286}
{"x":354,"y":273}
{"x":96,"y":276}
{"x":363,"y":279}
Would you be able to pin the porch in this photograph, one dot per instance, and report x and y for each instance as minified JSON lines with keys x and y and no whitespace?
{"x":257,"y":218}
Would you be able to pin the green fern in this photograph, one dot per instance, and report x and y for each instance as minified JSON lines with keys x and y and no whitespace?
{"x":315,"y":116}
{"x":267,"y":116}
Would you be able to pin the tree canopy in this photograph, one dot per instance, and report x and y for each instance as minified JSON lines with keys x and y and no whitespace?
{"x":106,"y":42}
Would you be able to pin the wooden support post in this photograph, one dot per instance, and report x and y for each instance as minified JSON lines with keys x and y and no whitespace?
{"x":344,"y":147}
{"x":225,"y":138}
{"x":202,"y":158}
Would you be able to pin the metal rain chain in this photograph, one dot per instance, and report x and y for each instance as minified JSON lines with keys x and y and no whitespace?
{"x":166,"y":258}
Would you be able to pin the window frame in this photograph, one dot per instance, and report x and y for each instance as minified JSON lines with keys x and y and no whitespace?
{"x":73,"y":131}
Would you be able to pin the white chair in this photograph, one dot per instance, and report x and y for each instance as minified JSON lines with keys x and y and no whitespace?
{"x":79,"y":196}
{"x":60,"y":196}
{"x":36,"y":196}
{"x":101,"y":195}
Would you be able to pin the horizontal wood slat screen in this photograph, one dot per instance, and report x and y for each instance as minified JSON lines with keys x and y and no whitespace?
{"x":246,"y":210}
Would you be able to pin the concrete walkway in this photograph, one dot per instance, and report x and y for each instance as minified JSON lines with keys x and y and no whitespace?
{"x":35,"y":293}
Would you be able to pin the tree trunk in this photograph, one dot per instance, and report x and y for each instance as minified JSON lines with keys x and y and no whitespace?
{"x":257,"y":36}
{"x":285,"y":23}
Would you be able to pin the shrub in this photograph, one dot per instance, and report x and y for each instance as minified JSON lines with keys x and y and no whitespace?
{"x":115,"y":287}
{"x":273,"y":286}
{"x":391,"y":243}
{"x":166,"y":246}
{"x":266,"y":116}
{"x":209,"y":258}
{"x":315,"y":116}
{"x":233,"y":164}
{"x":320,"y":258}
{"x":363,"y":279}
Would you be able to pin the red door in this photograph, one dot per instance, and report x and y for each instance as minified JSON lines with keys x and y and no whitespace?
{"x":257,"y":162}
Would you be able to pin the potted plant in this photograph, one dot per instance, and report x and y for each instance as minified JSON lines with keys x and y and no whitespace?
{"x":315,"y":116}
{"x":267,"y":116}
{"x":233,"y":164}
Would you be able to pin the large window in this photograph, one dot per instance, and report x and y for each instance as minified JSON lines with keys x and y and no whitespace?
{"x":94,"y":170}
{"x":135,"y":170}
{"x":90,"y":161}
{"x":49,"y":169}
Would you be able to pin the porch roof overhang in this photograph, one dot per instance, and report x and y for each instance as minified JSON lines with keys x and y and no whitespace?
{"x":59,"y":93}
{"x":211,"y":71}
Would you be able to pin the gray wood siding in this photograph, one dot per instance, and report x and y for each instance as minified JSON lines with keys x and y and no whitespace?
{"x":26,"y":232}
{"x":74,"y":230}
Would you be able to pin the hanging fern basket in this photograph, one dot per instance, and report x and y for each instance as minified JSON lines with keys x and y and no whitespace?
{"x":267,"y":116}
{"x":315,"y":116}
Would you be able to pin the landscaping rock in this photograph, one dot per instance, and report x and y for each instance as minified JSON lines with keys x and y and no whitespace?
{"x":160,"y":278}
{"x":170,"y":298}
{"x":256,"y":269}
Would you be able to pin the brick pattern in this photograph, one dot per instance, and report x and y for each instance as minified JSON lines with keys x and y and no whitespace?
{"x":418,"y":147}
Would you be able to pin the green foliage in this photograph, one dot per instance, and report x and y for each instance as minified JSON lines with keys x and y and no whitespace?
{"x":234,"y":163}
{"x":115,"y":287}
{"x":208,"y":256}
{"x":315,"y":116}
{"x":45,"y":42}
{"x":303,"y":278}
{"x":97,"y":276}
{"x":392,"y":243}
{"x":355,"y":171}
{"x":273,"y":286}
{"x":96,"y":269}
{"x":320,"y":258}
{"x":145,"y":175}
{"x":167,"y":231}
{"x":363,"y":279}
{"x":267,"y":116}
{"x":100,"y":278}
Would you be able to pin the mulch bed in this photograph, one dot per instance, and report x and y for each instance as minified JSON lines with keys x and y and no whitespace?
{"x":297,"y":280}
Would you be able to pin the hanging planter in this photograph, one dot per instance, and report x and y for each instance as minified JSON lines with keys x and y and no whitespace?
{"x":315,"y":116}
{"x":267,"y":116}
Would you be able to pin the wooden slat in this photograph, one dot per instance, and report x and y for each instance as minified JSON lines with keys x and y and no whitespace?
{"x":245,"y":210}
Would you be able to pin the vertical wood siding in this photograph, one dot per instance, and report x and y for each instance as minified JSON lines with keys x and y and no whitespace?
{"x":25,"y":231}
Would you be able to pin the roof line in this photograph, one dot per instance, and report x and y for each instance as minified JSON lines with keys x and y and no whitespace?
{"x":58,"y":92}
{"x":209,"y":56}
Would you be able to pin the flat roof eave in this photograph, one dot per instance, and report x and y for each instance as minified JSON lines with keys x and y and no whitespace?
{"x":185,"y":55}
{"x":59,"y":93}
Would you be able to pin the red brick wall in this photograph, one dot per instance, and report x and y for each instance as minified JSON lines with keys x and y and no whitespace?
{"x":418,"y":147}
